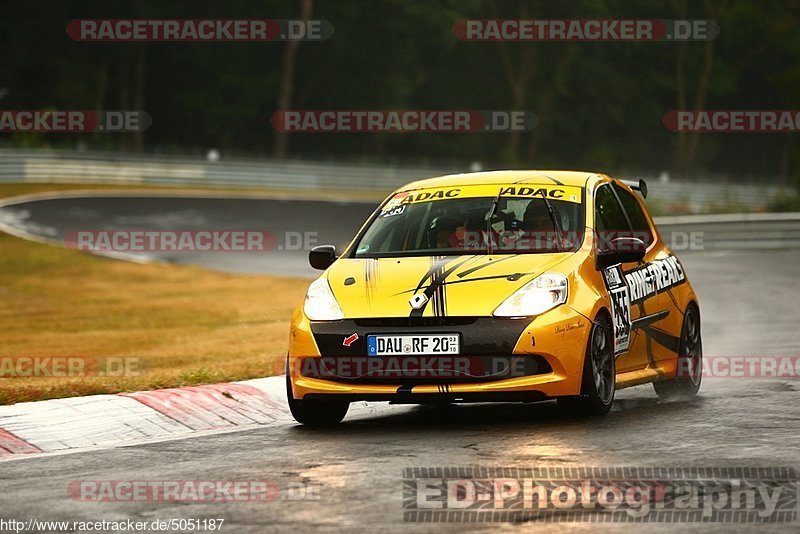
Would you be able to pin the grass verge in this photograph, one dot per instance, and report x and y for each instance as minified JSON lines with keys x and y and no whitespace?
{"x":180,"y":325}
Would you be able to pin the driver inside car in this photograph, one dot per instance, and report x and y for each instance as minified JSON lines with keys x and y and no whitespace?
{"x":540,"y":232}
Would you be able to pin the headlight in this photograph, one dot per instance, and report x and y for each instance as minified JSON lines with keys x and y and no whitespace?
{"x":543,"y":293}
{"x":320,"y":304}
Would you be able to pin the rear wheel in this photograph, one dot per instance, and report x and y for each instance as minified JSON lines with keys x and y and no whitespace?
{"x":686,"y":383}
{"x":314,"y":412}
{"x":598,"y":384}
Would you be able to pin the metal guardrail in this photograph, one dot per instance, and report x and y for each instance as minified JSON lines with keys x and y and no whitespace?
{"x":748,"y":231}
{"x":77,"y":167}
{"x":100,"y":167}
{"x":751,"y":231}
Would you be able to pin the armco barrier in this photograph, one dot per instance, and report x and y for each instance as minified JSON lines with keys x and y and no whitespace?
{"x":732,"y":231}
{"x":102,"y":167}
{"x":93,"y":167}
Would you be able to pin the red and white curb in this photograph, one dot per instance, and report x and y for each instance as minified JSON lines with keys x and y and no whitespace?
{"x":112,"y":420}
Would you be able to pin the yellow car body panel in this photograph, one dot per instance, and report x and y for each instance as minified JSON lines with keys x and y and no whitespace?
{"x":369,"y":290}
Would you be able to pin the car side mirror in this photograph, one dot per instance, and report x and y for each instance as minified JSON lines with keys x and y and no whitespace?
{"x":621,"y":250}
{"x":322,"y":257}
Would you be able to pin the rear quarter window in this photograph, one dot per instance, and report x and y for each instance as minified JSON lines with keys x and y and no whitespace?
{"x":636,"y":214}
{"x":609,"y":216}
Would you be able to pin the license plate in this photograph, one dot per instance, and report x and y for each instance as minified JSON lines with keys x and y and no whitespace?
{"x":412,"y":345}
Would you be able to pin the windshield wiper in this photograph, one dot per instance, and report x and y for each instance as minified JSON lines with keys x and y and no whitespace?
{"x":556,"y":224}
{"x":488,"y":217}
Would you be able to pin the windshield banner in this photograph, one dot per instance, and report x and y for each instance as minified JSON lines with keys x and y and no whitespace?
{"x":550,"y":192}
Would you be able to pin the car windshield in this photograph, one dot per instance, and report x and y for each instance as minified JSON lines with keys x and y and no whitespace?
{"x":473,"y":220}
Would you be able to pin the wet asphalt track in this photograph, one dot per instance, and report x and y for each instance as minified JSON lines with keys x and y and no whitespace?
{"x":292,"y":223}
{"x":748,"y":303}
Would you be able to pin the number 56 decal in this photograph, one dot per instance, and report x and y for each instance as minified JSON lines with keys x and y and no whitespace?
{"x":620,"y":307}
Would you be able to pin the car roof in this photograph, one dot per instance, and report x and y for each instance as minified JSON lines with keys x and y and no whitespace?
{"x":570,"y":178}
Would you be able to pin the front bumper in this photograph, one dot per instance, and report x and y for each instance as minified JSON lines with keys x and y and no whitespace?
{"x":556,"y":341}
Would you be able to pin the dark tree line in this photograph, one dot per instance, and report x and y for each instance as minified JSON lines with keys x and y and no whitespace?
{"x":599,"y":105}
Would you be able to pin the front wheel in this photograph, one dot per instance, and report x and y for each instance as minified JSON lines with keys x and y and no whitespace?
{"x":314,"y":412}
{"x":687,"y":379}
{"x":598,"y":384}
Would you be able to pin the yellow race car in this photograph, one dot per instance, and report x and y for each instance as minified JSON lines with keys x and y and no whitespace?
{"x":504,"y":286}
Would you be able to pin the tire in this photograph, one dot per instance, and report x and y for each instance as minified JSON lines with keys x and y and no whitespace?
{"x":598,"y":382}
{"x":690,"y":361}
{"x":315,"y":413}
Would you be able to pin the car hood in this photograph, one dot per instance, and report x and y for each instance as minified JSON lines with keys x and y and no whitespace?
{"x":469,"y":285}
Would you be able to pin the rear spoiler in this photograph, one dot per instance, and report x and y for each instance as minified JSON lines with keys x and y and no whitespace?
{"x":640,"y":186}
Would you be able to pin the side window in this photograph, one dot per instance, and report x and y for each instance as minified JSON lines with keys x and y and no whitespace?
{"x":637,"y":216}
{"x":608,"y":214}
